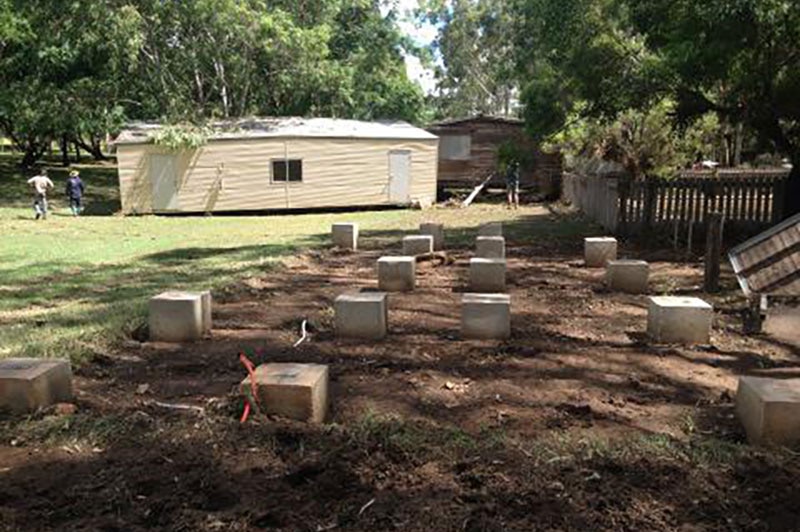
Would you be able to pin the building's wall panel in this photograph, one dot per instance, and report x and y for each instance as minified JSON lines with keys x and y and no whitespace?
{"x":487,"y":135}
{"x":236,"y":175}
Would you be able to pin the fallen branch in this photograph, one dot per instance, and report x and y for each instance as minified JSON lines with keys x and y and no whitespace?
{"x":439,"y":256}
{"x":177,"y":406}
{"x":363,"y":508}
{"x":304,"y":334}
{"x":477,"y":190}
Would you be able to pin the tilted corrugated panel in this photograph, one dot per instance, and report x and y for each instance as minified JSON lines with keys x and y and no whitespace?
{"x":769,"y":264}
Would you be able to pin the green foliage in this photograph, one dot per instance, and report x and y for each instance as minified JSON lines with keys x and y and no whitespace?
{"x":78,"y":70}
{"x":645,"y":142}
{"x":181,"y":137}
{"x":601,"y":60}
{"x":475,"y":44}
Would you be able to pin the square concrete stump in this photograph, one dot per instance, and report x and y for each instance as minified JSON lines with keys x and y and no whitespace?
{"x":782,"y":322}
{"x":436,"y":231}
{"x":30,"y":383}
{"x":294,"y":391}
{"x":491,"y":229}
{"x":598,"y":251}
{"x":345,"y":235}
{"x":679,"y":320}
{"x":176,"y":317}
{"x":362,"y":315}
{"x":490,"y":247}
{"x":396,"y":274}
{"x":417,"y":245}
{"x":769,"y":410}
{"x":486,"y":316}
{"x":629,"y":276}
{"x":487,"y":275}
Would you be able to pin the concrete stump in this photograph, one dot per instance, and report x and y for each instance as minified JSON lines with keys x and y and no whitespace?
{"x":345,"y":235}
{"x":490,"y":247}
{"x":176,"y":317}
{"x":491,"y":229}
{"x":30,"y":383}
{"x":679,"y":320}
{"x":487,"y":275}
{"x":396,"y":274}
{"x":769,"y":410}
{"x":486,"y":316}
{"x":629,"y":276}
{"x":362,"y":315}
{"x":417,"y":245}
{"x":782,"y":322}
{"x":598,"y":251}
{"x":294,"y":391}
{"x":436,"y":231}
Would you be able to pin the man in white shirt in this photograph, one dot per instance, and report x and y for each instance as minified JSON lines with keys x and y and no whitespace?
{"x":40,"y":184}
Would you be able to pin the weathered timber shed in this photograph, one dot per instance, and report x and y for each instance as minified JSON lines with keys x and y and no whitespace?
{"x":468,"y":153}
{"x":278,"y":163}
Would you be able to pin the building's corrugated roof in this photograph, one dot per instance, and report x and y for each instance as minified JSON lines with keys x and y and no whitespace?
{"x":769,"y":264}
{"x":479,"y":117}
{"x":255,"y":128}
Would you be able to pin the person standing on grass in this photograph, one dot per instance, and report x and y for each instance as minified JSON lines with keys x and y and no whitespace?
{"x":75,"y":192}
{"x":512,"y":183}
{"x":40,"y":185}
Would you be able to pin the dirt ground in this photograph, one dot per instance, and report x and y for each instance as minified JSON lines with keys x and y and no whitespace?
{"x":576,"y":423}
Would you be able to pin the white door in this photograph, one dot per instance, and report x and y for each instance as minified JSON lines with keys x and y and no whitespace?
{"x":399,"y":176}
{"x":164,"y":180}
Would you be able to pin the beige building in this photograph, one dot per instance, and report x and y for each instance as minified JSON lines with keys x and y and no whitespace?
{"x":279,"y":163}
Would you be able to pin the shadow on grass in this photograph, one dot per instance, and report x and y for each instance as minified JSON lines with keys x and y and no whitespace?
{"x":88,"y":308}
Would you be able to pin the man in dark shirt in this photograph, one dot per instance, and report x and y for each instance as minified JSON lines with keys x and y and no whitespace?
{"x":75,"y":192}
{"x":512,"y":183}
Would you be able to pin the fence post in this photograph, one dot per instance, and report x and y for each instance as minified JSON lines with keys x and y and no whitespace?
{"x":612,"y":215}
{"x":778,"y":191}
{"x":649,"y":204}
{"x":623,"y":189}
{"x":713,"y":252}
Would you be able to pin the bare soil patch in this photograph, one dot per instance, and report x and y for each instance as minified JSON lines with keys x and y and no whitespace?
{"x":575,"y":423}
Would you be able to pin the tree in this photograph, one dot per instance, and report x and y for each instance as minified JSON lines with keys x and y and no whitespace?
{"x":372,"y":45}
{"x":74,"y":71}
{"x":597,"y":58}
{"x":63,"y":72}
{"x":475,"y":43}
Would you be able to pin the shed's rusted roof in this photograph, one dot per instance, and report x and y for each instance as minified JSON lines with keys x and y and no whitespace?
{"x":479,"y":118}
{"x":253,"y":128}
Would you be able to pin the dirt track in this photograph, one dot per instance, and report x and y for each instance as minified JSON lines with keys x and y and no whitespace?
{"x":577,"y":422}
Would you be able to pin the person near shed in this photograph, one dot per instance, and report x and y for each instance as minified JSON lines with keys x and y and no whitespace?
{"x":40,"y":185}
{"x":512,"y":183}
{"x":75,"y":192}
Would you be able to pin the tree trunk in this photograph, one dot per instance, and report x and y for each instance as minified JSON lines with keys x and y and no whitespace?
{"x":64,"y":145}
{"x":93,"y":147}
{"x":33,"y":151}
{"x":791,"y":193}
{"x":737,"y":153}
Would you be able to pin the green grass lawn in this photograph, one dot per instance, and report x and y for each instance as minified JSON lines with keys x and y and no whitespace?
{"x":75,"y":286}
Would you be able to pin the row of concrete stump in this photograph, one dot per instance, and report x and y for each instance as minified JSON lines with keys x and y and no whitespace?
{"x":485,"y":309}
{"x":769,"y":409}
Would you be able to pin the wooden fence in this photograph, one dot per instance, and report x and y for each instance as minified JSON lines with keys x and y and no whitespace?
{"x":749,"y":201}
